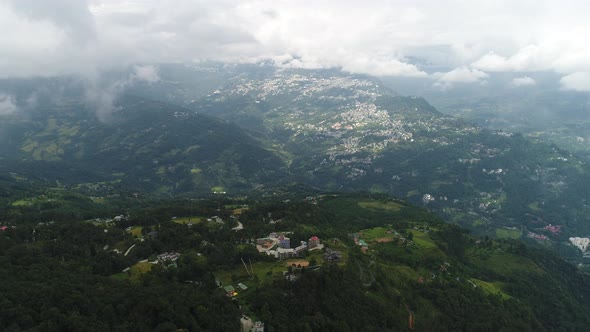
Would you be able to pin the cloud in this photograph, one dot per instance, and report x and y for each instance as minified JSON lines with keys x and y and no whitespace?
{"x":147,"y":73}
{"x":459,"y":75}
{"x":523,"y":81}
{"x":7,"y":104}
{"x":378,"y":37}
{"x":577,"y":81}
{"x":528,"y":58}
{"x":71,"y":16}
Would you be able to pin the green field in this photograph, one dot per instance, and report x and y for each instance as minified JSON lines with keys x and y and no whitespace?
{"x":21,"y":202}
{"x":491,"y":288}
{"x":372,"y":234}
{"x":392,"y":206}
{"x":136,"y":231}
{"x":507,"y":264}
{"x":217,"y":189}
{"x":185,"y":220}
{"x":139,"y":269}
{"x":423,"y":240}
{"x":534,"y":206}
{"x":505,"y":233}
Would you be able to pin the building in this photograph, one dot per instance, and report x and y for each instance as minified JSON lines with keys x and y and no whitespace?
{"x":284,"y":242}
{"x":284,"y":253}
{"x":300,"y":248}
{"x":258,"y":327}
{"x":314,"y":242}
{"x":230,"y":291}
{"x":332,"y":255}
{"x":168,"y":257}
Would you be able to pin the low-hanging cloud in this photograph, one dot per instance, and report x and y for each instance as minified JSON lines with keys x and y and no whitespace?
{"x":378,"y":37}
{"x":7,"y":104}
{"x":523,"y":81}
{"x":577,"y":82}
{"x":460,"y":75}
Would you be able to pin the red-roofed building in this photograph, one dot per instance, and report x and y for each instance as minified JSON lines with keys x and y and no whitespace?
{"x":314,"y":242}
{"x":3,"y":228}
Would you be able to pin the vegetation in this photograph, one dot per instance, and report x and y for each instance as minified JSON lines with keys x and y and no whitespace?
{"x":67,"y":275}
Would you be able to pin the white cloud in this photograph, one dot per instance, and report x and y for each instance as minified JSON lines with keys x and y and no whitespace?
{"x":577,"y":81}
{"x":377,"y":37}
{"x":7,"y":104}
{"x":523,"y":81}
{"x":460,"y":75}
{"x":147,"y":73}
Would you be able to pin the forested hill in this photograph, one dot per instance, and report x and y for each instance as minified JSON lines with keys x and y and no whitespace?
{"x":384,"y":266}
{"x":348,"y":132}
{"x":323,"y":129}
{"x":145,"y":146}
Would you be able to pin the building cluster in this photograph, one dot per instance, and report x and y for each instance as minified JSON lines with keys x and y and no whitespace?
{"x":168,"y":257}
{"x":279,"y":246}
{"x":581,"y":243}
{"x":554,"y":229}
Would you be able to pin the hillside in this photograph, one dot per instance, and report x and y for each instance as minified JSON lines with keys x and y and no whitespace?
{"x":397,"y":267}
{"x":312,"y":129}
{"x":145,"y":146}
{"x":346,"y":132}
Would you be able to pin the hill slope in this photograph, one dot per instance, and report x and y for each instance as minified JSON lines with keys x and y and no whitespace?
{"x":347,"y":132}
{"x":145,"y":145}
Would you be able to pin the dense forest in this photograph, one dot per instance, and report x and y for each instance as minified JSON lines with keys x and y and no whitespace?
{"x":416,"y":272}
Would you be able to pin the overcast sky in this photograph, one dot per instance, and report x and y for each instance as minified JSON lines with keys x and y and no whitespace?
{"x":469,"y":39}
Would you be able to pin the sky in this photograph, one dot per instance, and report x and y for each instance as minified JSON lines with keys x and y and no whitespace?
{"x":446,"y":41}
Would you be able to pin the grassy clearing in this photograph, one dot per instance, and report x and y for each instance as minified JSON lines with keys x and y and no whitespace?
{"x":261,"y":270}
{"x":423,"y":240}
{"x":372,"y":234}
{"x":139,"y":269}
{"x":436,"y":184}
{"x":390,"y":206}
{"x":504,"y":233}
{"x":21,"y":202}
{"x":491,"y":288}
{"x":217,"y":189}
{"x":507,"y":264}
{"x":186,"y":220}
{"x":478,"y":222}
{"x":534,"y":206}
{"x":120,"y":276}
{"x":136,"y":231}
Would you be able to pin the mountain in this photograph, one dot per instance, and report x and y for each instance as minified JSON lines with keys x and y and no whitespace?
{"x":145,"y":146}
{"x":346,"y":132}
{"x":321,"y":129}
{"x":539,"y":108}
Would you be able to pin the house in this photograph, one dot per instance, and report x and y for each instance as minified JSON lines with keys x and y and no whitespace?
{"x":314,"y":242}
{"x":230,"y":291}
{"x":3,"y":228}
{"x":242,"y":286}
